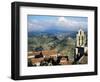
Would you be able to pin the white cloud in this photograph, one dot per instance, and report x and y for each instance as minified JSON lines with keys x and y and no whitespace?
{"x":66,"y":22}
{"x":70,"y":24}
{"x":34,"y":25}
{"x":62,"y":19}
{"x":37,"y":25}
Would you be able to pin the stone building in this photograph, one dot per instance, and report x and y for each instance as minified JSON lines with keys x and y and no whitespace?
{"x":81,"y":45}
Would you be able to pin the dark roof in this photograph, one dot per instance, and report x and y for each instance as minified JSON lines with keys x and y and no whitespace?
{"x":39,"y":49}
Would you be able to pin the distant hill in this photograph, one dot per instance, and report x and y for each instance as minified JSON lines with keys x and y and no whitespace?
{"x":53,"y":33}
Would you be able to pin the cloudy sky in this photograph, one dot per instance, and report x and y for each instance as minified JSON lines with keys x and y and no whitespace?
{"x":66,"y":23}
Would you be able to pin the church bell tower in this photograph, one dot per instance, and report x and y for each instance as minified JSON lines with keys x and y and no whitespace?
{"x":80,"y":38}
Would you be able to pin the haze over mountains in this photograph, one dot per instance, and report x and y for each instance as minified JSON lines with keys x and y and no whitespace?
{"x":56,"y":23}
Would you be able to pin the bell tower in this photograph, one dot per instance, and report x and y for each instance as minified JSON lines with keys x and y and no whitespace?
{"x":80,"y":38}
{"x":81,"y":47}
